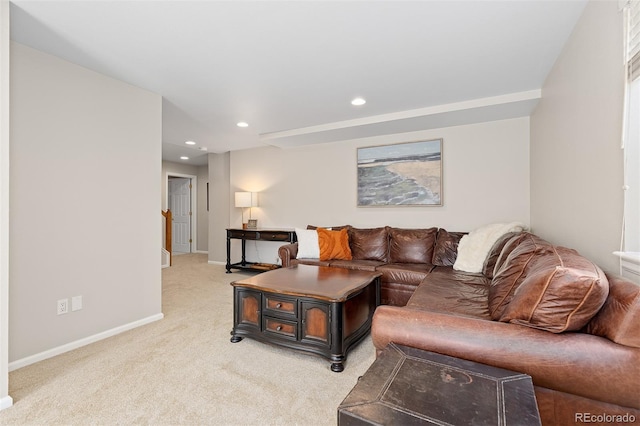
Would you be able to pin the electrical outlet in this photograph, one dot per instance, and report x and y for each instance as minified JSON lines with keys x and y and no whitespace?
{"x":63,"y":306}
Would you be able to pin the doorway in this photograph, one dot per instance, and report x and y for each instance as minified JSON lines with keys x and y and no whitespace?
{"x":181,"y":200}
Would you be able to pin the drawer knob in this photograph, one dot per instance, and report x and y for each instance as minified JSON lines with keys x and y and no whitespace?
{"x":278,"y":328}
{"x":279,"y":305}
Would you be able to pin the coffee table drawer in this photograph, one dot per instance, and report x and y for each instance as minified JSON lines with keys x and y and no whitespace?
{"x":281,"y":305}
{"x":288,"y":329}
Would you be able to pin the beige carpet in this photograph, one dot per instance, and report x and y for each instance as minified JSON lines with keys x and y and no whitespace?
{"x":183,"y":370}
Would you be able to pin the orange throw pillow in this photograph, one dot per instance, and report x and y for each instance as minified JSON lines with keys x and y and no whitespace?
{"x":334,"y":244}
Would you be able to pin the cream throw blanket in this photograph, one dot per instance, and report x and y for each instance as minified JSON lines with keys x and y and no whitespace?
{"x":474,"y":247}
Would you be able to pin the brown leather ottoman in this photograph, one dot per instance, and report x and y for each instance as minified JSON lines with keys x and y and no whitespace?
{"x":408,"y":386}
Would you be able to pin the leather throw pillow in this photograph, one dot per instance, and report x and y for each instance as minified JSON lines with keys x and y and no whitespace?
{"x":561,"y":295}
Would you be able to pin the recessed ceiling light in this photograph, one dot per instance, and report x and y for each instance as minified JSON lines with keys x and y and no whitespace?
{"x":242,"y":124}
{"x":358,"y":101}
{"x":184,"y":158}
{"x":190,"y":142}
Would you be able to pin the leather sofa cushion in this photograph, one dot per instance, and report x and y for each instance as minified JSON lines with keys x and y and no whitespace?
{"x":411,"y":245}
{"x":619,"y":317}
{"x":562,"y":291}
{"x":396,"y":294}
{"x":316,"y":262}
{"x":404,"y":273}
{"x":360,"y":265}
{"x":492,"y":258}
{"x":453,"y":292}
{"x":512,"y":268}
{"x":508,"y":247}
{"x":333,"y":228}
{"x":369,"y":244}
{"x":446,"y":248}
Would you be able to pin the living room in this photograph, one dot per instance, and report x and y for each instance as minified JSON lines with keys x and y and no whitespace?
{"x":557,"y":169}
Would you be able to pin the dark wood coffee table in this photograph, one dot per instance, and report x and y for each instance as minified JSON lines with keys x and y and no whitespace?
{"x":409,"y":386}
{"x":317,"y":309}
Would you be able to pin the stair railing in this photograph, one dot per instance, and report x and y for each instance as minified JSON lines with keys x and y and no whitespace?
{"x":167,"y":234}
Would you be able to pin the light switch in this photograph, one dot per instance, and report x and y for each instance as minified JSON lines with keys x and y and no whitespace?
{"x":76,"y":303}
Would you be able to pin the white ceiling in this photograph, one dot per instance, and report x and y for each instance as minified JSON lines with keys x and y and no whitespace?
{"x":290,"y":69}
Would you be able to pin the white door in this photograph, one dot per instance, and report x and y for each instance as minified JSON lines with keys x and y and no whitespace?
{"x":180,"y":205}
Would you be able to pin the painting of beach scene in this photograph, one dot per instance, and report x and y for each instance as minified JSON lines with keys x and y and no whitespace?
{"x":403,"y":174}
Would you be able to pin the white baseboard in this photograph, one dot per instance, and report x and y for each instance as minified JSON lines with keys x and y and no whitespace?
{"x":215,"y":262}
{"x":6,"y":402}
{"x":201,"y":251}
{"x":165,"y":257}
{"x":82,"y":342}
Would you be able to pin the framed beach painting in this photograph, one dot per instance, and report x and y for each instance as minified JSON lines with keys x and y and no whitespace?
{"x":402,"y":174}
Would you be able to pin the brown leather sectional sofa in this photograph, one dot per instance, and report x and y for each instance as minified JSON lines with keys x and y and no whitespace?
{"x":536,"y":308}
{"x":404,"y":256}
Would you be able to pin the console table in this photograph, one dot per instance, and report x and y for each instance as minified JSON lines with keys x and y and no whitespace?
{"x":278,"y":235}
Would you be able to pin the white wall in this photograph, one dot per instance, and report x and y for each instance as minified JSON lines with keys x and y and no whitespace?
{"x":576,"y":160}
{"x":486,"y":179}
{"x":219,"y":201}
{"x":85,"y":203}
{"x":5,"y":47}
{"x":202,"y":212}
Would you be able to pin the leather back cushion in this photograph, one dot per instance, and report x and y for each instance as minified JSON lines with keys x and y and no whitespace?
{"x":446,"y":248}
{"x":411,"y":245}
{"x":562,"y":291}
{"x":369,"y":244}
{"x":619,"y":318}
{"x":333,"y":228}
{"x":495,"y":252}
{"x":509,"y":246}
{"x":512,"y":268}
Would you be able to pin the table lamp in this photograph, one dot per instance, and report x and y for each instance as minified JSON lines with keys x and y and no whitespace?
{"x":244,"y":200}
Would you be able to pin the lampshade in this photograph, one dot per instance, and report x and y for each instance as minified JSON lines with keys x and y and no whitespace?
{"x":243,"y":199}
{"x":246,"y":199}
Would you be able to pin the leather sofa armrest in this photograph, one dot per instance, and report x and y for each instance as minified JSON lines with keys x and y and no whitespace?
{"x":286,"y":253}
{"x":576,"y":363}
